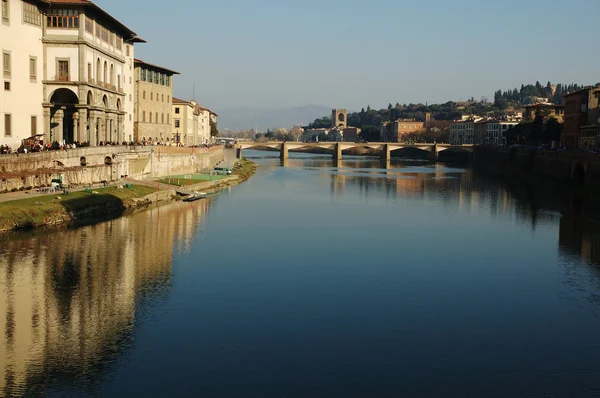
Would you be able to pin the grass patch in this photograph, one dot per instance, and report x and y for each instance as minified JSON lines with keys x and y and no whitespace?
{"x":40,"y":210}
{"x":245,"y":169}
{"x":195,"y":179}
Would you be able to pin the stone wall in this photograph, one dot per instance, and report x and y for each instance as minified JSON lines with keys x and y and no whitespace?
{"x":85,"y":166}
{"x":560,"y":166}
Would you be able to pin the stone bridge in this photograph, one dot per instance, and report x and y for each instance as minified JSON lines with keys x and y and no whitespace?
{"x":337,"y":147}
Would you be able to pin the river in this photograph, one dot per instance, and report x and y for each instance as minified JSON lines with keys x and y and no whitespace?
{"x":311,"y":280}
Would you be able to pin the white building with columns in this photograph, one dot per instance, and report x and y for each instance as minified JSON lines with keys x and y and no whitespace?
{"x":74,"y":81}
{"x":21,"y":91}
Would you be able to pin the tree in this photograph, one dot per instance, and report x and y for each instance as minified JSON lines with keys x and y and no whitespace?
{"x":258,"y":136}
{"x":296,"y":133}
{"x":270,"y":135}
{"x":213,"y":129}
{"x":553,"y":130}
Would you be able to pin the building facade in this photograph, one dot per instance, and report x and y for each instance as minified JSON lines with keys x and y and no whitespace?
{"x":153,"y":105}
{"x":463,"y":132}
{"x":21,"y":112}
{"x":398,"y":130}
{"x":183,"y":121}
{"x":556,"y":111}
{"x":495,"y":131}
{"x":582,"y":115}
{"x":65,"y":71}
{"x":339,"y":118}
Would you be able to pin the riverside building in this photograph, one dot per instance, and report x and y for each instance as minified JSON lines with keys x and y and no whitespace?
{"x":67,"y":73}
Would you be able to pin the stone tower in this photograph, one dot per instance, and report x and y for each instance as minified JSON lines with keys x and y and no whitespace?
{"x":339,"y":118}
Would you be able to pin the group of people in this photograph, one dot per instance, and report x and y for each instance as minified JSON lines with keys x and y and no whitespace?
{"x":39,"y":146}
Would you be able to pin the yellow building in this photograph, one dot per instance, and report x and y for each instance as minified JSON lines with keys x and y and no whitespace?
{"x":153,"y":103}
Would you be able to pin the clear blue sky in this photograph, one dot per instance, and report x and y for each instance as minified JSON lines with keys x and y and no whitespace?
{"x":347,"y":54}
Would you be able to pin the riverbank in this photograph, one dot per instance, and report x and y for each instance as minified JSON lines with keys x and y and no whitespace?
{"x":90,"y":206}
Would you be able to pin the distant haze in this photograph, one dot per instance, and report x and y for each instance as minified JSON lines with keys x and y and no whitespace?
{"x":262,"y":119}
{"x":279,"y":54}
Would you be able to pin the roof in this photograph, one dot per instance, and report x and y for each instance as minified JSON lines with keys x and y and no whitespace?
{"x":94,"y":7}
{"x":178,"y":101}
{"x":140,"y":62}
{"x":583,"y":90}
{"x":547,"y":105}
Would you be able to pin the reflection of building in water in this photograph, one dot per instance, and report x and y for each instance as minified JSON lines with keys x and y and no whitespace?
{"x":68,"y":299}
{"x":581,"y":237}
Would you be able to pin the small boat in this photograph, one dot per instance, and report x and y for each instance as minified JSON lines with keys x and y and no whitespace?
{"x":196,"y":196}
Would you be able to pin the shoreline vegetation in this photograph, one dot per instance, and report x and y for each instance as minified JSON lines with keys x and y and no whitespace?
{"x":81,"y":207}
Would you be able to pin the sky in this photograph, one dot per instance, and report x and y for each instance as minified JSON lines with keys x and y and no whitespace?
{"x":277,"y":54}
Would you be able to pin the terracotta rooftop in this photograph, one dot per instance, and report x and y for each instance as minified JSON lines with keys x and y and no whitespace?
{"x":180,"y":101}
{"x":140,"y":62}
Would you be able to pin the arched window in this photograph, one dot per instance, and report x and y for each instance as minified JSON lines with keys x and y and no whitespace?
{"x":143,"y":94}
{"x":168,"y":98}
{"x":162,"y":118}
{"x":167,"y":118}
{"x":163,"y":98}
{"x":112,"y":75}
{"x":156,"y":118}
{"x":98,"y":71}
{"x":150,"y":121}
{"x":144,"y":117}
{"x":151,"y":96}
{"x":105,"y":72}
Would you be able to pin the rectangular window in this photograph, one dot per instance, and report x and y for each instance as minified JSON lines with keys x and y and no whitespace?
{"x":6,"y":64}
{"x":177,"y":111}
{"x":162,"y":79}
{"x":176,"y":123}
{"x":89,"y":25}
{"x":119,"y":41}
{"x":89,"y":74}
{"x":127,"y":50}
{"x":63,"y":70}
{"x":33,"y":125}
{"x":31,"y":14}
{"x":63,"y":18}
{"x":97,"y":31}
{"x":6,"y":86}
{"x":7,"y":125}
{"x":5,"y":16}
{"x":33,"y":68}
{"x":155,"y":77}
{"x":142,"y":74}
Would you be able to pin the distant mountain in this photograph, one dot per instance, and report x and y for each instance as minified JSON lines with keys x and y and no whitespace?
{"x":262,"y":119}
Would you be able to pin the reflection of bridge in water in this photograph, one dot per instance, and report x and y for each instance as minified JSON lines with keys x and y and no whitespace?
{"x":338,"y":147}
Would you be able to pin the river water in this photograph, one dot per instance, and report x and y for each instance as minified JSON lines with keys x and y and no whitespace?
{"x":313,"y":279}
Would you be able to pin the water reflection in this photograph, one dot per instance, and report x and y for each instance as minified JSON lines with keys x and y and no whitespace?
{"x":469,"y":274}
{"x":68,"y":300}
{"x":464,"y":189}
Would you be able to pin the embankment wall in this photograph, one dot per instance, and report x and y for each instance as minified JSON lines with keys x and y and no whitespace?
{"x":85,"y":166}
{"x":561,"y":166}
